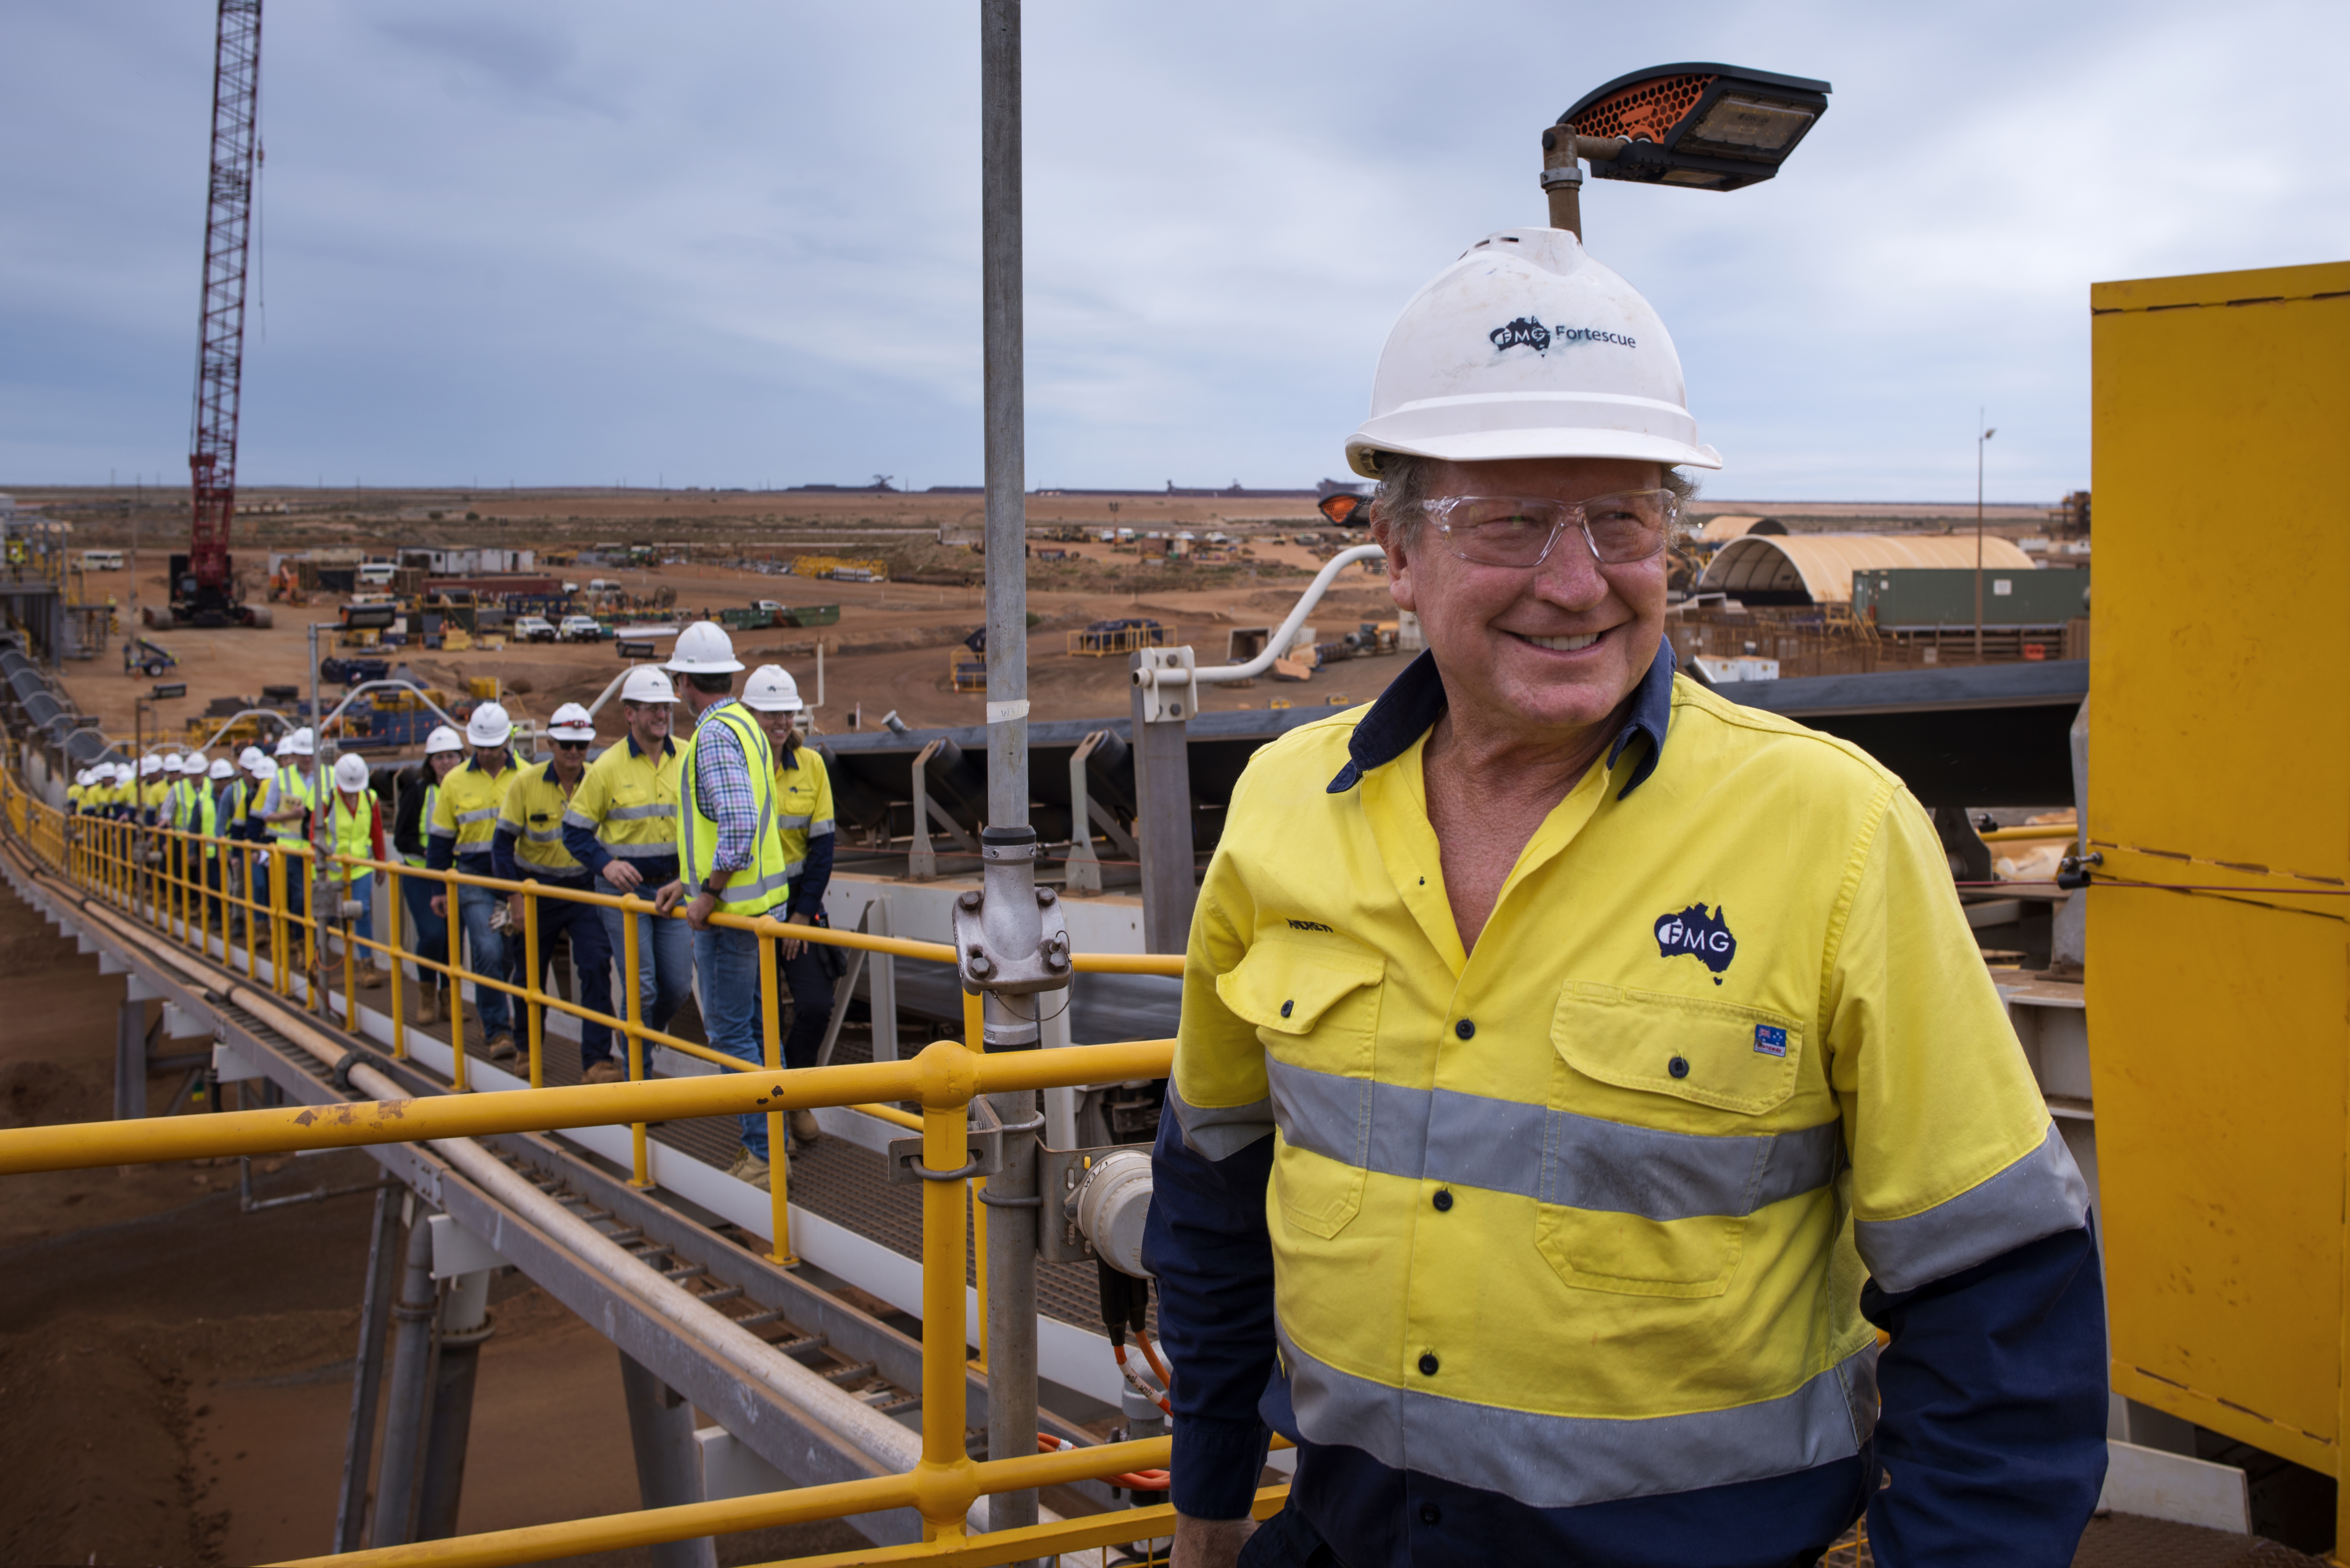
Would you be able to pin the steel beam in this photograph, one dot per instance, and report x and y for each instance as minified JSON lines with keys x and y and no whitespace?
{"x":366,"y":1376}
{"x":668,"y":1460}
{"x":408,"y":1399}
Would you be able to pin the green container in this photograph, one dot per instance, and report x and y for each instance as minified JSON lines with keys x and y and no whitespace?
{"x":1907,"y":598}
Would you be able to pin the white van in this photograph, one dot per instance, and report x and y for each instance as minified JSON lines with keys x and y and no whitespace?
{"x":101,"y":560}
{"x":377,"y":573}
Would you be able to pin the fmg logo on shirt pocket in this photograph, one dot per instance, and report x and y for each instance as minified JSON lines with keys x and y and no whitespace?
{"x":1702,"y":935}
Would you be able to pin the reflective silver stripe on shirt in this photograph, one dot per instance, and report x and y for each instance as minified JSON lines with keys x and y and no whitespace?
{"x":467,"y":818}
{"x":1550,"y":1156}
{"x":793,"y":867}
{"x":437,"y":831}
{"x":2039,"y":1195}
{"x":633,"y":814}
{"x":1221,"y":1132}
{"x":642,"y":851}
{"x":574,"y":817}
{"x":543,"y":834}
{"x":1568,"y":1461}
{"x":821,"y":828}
{"x":788,"y":823}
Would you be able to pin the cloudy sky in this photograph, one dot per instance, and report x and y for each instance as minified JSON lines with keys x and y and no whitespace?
{"x":582,"y":242}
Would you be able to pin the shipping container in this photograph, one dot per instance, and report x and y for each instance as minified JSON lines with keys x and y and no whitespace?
{"x":1901,"y":599}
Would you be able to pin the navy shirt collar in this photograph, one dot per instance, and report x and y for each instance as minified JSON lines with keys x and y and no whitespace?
{"x":669,"y":747}
{"x":1415,"y":701}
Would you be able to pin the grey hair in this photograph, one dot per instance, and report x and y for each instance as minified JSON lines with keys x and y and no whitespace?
{"x":1399,"y":507}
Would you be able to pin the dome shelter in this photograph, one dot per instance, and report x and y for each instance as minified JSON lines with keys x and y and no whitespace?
{"x":1805,"y":569}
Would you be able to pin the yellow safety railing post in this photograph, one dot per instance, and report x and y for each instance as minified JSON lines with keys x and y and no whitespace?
{"x":975,"y":1029}
{"x":946,"y":1480}
{"x":640,"y":1174}
{"x":394,"y":909}
{"x":535,"y":1016}
{"x":351,"y":948}
{"x":779,"y":1159}
{"x":252,"y":914}
{"x":278,"y":979}
{"x":457,"y":975}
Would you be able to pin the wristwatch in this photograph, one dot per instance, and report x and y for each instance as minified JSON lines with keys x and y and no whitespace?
{"x":714,"y":885}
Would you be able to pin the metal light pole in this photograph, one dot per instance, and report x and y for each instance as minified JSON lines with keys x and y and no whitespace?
{"x":1979,"y":440}
{"x":1007,"y":927}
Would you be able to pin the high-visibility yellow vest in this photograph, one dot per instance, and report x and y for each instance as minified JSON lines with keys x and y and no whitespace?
{"x":352,"y":838}
{"x":432,"y":799}
{"x":628,"y":800}
{"x":290,"y":789}
{"x":764,"y":883}
{"x":533,"y":809}
{"x":205,"y":818}
{"x":466,"y":810}
{"x":802,"y":804}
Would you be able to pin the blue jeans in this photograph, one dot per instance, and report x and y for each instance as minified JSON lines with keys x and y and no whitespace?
{"x":432,"y":931}
{"x":485,"y":954}
{"x":591,"y":960}
{"x":729,"y":962}
{"x":809,"y":980}
{"x":664,"y":963}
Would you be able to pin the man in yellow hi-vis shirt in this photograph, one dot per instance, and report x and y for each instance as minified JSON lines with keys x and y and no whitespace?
{"x":465,"y":825}
{"x":1577,"y":1069}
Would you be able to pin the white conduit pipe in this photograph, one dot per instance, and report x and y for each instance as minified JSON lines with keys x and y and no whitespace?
{"x":1279,"y":646}
{"x":893,"y":1447}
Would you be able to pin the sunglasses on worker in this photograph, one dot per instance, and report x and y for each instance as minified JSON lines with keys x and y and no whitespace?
{"x":1515,"y":531}
{"x":570,"y":745}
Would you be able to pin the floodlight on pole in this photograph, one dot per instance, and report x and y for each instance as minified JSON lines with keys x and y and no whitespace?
{"x":1703,"y":126}
{"x":1986,"y":435}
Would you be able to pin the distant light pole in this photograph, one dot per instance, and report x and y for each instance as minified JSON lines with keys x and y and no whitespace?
{"x":1979,"y":440}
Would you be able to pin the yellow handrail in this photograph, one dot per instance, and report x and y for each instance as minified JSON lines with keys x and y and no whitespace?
{"x":111,"y":860}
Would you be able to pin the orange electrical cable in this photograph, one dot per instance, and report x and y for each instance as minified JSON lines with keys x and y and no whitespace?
{"x":1133,"y":1480}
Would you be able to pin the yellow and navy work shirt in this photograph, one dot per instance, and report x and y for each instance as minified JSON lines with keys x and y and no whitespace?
{"x":529,"y":839}
{"x":803,"y":816}
{"x":465,"y":817}
{"x":625,"y":807}
{"x":1582,"y":1215}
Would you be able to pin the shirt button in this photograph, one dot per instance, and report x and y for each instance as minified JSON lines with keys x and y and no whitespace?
{"x":1431,"y":1514}
{"x":1286,"y":1007}
{"x":1427,"y":1364}
{"x":1678,"y":1066}
{"x":1444,"y":1200}
{"x":1466,"y":1030}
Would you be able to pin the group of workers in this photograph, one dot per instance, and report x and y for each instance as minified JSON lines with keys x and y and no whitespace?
{"x":735,"y":817}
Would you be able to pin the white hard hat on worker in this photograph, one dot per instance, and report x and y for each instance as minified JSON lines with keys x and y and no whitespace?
{"x":772,"y":690}
{"x":645,"y":683}
{"x":572,"y":722}
{"x":221,"y":768}
{"x":350,"y":772}
{"x":443,"y":738}
{"x":489,"y":726}
{"x":704,"y":648}
{"x":1526,"y":348}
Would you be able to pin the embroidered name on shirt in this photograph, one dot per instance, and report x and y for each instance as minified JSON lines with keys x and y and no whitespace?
{"x":1769,"y":1040}
{"x":1307,"y":926}
{"x":1704,"y":937}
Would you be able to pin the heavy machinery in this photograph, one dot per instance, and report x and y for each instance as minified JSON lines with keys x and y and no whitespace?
{"x":203,"y":580}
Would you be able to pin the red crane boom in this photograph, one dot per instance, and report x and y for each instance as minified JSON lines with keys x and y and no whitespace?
{"x":203,"y":584}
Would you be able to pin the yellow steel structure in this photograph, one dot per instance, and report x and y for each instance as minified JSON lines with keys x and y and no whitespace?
{"x":2219,"y":972}
{"x":145,"y":884}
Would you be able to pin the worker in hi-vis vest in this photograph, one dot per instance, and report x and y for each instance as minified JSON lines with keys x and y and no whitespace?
{"x":730,"y":857}
{"x":444,"y":751}
{"x":622,"y":825}
{"x":804,"y":819}
{"x":528,"y":846}
{"x":464,"y":821}
{"x":1578,"y":1069}
{"x":285,"y":807}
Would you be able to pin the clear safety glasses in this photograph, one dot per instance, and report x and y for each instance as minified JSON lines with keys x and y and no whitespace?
{"x":1507,"y":531}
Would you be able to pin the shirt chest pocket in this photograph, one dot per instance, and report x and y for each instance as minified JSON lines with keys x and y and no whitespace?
{"x":1660,"y":1141}
{"x":1315,"y":1001}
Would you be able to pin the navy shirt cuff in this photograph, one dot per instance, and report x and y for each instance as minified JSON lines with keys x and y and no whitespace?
{"x":1214,"y":1473}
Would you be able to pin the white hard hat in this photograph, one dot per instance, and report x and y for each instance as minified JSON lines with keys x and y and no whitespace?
{"x":1527,"y":348}
{"x":123,"y":773}
{"x":196,"y":762}
{"x":645,"y":683}
{"x":571,"y":723}
{"x":81,"y":778}
{"x":772,"y":690}
{"x":246,"y":758}
{"x":149,"y":764}
{"x":171,"y":763}
{"x":285,"y":746}
{"x":221,"y":768}
{"x":265,"y":769}
{"x":489,"y":726}
{"x":350,"y":772}
{"x":443,"y":738}
{"x":704,"y":648}
{"x":300,"y":743}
